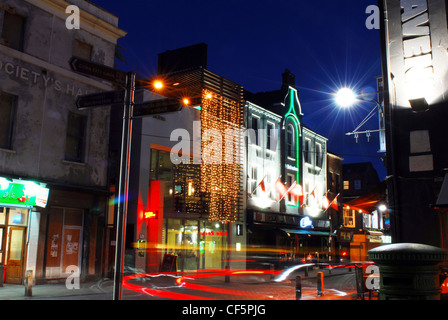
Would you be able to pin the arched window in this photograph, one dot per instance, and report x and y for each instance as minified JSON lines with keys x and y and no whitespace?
{"x":290,"y":137}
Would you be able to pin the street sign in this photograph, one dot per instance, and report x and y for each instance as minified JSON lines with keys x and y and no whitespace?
{"x":100,"y":99}
{"x":98,"y":70}
{"x":156,"y":107}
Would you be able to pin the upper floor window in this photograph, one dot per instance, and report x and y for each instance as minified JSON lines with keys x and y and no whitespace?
{"x":76,"y":137}
{"x":290,"y":141}
{"x":82,"y":50}
{"x":7,"y":117}
{"x":357,"y":184}
{"x":270,"y":137}
{"x":13,"y":33}
{"x":319,"y":155}
{"x":255,"y":122}
{"x":307,"y":151}
{"x":346,"y":184}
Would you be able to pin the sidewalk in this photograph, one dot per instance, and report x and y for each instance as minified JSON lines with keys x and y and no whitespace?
{"x":101,"y":290}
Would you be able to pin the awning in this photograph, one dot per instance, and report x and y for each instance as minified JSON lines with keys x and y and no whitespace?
{"x":302,"y":231}
{"x":369,"y":201}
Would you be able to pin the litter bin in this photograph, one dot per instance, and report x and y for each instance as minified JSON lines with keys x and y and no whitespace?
{"x":408,"y":271}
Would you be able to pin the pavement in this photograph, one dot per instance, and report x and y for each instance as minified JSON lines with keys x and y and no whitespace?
{"x":339,"y":284}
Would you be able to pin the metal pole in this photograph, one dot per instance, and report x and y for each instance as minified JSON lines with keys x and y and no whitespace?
{"x":123,"y":184}
{"x":298,"y":287}
{"x":320,"y":284}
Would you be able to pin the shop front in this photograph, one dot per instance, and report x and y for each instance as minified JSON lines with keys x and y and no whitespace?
{"x":197,"y":244}
{"x":18,"y":225}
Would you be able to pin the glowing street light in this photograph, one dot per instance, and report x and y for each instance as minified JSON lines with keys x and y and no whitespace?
{"x":345,"y":97}
{"x":158,"y":84}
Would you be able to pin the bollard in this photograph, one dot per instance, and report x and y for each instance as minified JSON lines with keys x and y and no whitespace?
{"x":408,"y":271}
{"x":29,"y":283}
{"x":227,"y":276}
{"x":298,"y":287}
{"x":320,"y":284}
{"x":306,"y":271}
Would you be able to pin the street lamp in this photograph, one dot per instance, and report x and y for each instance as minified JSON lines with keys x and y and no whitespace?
{"x":345,"y":97}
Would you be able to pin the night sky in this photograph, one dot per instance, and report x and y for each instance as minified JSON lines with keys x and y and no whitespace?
{"x":325,"y":43}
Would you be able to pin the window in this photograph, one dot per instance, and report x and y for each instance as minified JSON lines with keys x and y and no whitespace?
{"x":75,"y":140}
{"x":349,"y":218}
{"x":290,"y":182}
{"x":7,"y":117}
{"x":357,"y":184}
{"x":270,"y":137}
{"x":13,"y":31}
{"x":346,"y":185}
{"x":82,"y":50}
{"x":255,"y":121}
{"x":307,"y":151}
{"x":290,"y":141}
{"x":253,"y":179}
{"x":319,"y":157}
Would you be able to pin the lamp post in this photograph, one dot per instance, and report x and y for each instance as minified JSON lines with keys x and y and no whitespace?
{"x":345,"y":97}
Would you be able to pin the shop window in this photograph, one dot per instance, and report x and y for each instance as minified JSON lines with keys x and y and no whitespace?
{"x":7,"y":117}
{"x":13,"y":33}
{"x":76,"y":137}
{"x":82,"y":50}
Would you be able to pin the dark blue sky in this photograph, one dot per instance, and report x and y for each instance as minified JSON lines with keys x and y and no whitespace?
{"x":325,"y":43}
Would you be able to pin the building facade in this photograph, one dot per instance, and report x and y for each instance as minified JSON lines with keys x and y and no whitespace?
{"x":414,"y":42}
{"x":54,"y":158}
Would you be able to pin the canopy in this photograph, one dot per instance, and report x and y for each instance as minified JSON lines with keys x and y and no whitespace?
{"x":369,"y":201}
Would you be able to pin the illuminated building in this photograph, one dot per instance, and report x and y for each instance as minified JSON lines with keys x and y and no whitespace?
{"x":415,"y":73}
{"x":53,"y":173}
{"x":187,"y":167}
{"x":298,"y":224}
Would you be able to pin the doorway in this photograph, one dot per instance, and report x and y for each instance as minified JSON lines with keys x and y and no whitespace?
{"x":14,"y":263}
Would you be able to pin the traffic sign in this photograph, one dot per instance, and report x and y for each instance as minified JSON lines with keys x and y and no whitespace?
{"x":98,"y":70}
{"x":156,"y":107}
{"x":100,"y":99}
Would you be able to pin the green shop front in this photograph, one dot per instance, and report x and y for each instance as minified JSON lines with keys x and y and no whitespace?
{"x":18,"y":202}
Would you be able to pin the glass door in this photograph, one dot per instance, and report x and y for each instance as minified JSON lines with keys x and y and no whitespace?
{"x":15,"y":255}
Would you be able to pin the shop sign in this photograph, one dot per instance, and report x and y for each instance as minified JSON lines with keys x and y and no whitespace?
{"x":151,"y":215}
{"x":306,"y":222}
{"x":213,"y":233}
{"x":22,"y":193}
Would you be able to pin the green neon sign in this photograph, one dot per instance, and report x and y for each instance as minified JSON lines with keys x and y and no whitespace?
{"x":22,"y":193}
{"x":295,"y":120}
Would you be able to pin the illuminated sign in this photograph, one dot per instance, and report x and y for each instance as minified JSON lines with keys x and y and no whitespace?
{"x":417,"y":51}
{"x":417,"y":68}
{"x":213,"y":233}
{"x":306,"y":222}
{"x":22,"y":193}
{"x":151,"y":215}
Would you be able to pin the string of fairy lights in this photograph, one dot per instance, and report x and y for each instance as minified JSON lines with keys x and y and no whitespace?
{"x":221,"y":170}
